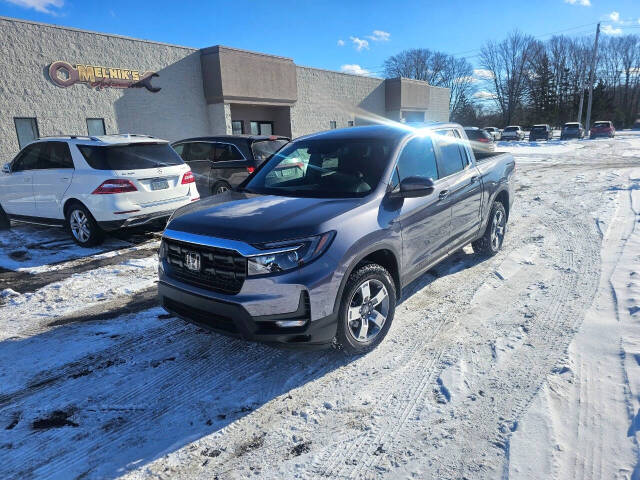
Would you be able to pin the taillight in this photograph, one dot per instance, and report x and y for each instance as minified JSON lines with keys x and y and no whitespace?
{"x":116,"y":185}
{"x":483,"y":140}
{"x":188,"y":178}
{"x":251,"y":169}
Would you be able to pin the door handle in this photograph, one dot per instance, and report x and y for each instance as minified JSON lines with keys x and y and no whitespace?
{"x":443,"y":194}
{"x":64,"y":179}
{"x":27,"y":179}
{"x":474,"y":179}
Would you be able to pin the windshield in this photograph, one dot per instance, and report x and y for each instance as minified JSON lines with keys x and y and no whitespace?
{"x":263,"y":149}
{"x":136,"y":156}
{"x":324,"y":169}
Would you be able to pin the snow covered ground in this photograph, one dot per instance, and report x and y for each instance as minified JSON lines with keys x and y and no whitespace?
{"x":525,"y":365}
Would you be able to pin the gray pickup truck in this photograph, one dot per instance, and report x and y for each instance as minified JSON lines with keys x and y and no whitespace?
{"x":315,"y":247}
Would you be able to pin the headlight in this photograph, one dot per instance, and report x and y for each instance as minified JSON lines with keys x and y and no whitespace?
{"x":288,"y":255}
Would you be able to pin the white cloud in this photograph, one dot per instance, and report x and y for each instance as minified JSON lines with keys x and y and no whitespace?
{"x":379,"y":36}
{"x":341,"y":43}
{"x":484,"y":95}
{"x":609,"y":30}
{"x":354,"y":69}
{"x":360,"y":43}
{"x":584,"y":3}
{"x":43,"y":6}
{"x":482,"y":74}
{"x":615,"y":16}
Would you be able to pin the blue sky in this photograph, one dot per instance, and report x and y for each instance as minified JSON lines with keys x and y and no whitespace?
{"x":333,"y":34}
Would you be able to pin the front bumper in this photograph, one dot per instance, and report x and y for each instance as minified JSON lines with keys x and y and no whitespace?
{"x":232,"y":318}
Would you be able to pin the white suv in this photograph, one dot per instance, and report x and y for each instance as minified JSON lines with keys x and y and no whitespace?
{"x":94,"y":184}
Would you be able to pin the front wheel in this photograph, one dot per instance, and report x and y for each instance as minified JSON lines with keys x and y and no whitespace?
{"x":83,"y":227}
{"x":491,"y":241}
{"x":366,"y":310}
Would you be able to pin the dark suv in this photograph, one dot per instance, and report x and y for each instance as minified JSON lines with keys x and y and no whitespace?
{"x":541,"y":132}
{"x":223,"y":162}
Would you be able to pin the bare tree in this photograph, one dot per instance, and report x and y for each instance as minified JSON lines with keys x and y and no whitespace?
{"x":436,"y":68}
{"x":508,"y":61}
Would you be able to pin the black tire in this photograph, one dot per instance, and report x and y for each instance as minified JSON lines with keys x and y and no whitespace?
{"x":487,"y":244}
{"x":345,"y":335}
{"x":220,"y":187}
{"x":5,"y":223}
{"x":88,"y":236}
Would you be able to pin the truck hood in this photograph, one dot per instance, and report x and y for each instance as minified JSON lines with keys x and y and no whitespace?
{"x":254,"y":218}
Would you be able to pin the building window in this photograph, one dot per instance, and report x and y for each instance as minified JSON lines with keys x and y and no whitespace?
{"x":333,"y":124}
{"x":95,"y":127}
{"x":27,"y":130}
{"x":350,"y":123}
{"x":261,"y":128}
{"x":237,"y":127}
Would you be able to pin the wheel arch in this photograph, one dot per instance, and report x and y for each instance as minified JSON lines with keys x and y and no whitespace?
{"x":384,"y":255}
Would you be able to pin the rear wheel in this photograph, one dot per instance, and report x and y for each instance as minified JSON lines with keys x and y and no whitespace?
{"x":491,"y":241}
{"x":83,"y":227}
{"x":220,"y":187}
{"x":366,"y":310}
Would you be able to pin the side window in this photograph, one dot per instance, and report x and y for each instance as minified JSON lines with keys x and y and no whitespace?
{"x":56,"y":155}
{"x":199,"y":151}
{"x":418,"y":159}
{"x":180,"y":150}
{"x":225,"y":153}
{"x":452,"y":158}
{"x":28,"y":159}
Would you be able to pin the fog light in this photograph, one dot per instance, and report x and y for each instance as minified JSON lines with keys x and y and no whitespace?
{"x":290,"y":323}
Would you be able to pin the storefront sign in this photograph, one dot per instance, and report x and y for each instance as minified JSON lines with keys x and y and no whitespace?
{"x":64,"y":75}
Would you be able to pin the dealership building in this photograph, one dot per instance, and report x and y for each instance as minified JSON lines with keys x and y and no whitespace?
{"x":56,"y":80}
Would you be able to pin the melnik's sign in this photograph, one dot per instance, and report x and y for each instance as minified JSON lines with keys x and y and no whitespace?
{"x":64,"y":75}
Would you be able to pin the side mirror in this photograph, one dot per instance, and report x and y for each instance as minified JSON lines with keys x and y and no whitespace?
{"x":6,"y":168}
{"x":412,"y":187}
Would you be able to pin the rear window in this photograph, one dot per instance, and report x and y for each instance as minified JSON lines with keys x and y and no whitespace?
{"x":539,"y":128}
{"x":571,"y":125}
{"x":511,"y":129}
{"x":477,"y":134}
{"x":136,"y":156}
{"x":601,"y":124}
{"x":263,"y":149}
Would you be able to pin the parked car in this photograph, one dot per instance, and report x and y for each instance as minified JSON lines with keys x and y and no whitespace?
{"x":223,"y":162}
{"x":572,"y":130}
{"x":95,"y":184}
{"x":480,"y":140}
{"x":322,"y":257}
{"x":602,"y":129}
{"x":541,"y":132}
{"x":495,"y":132}
{"x":513,"y":132}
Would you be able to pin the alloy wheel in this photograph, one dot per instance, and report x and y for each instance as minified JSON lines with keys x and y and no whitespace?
{"x":497,"y":229}
{"x":222,"y":189}
{"x":79,"y":224}
{"x":368,"y":310}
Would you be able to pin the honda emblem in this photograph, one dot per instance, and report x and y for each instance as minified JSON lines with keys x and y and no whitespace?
{"x":192,"y":261}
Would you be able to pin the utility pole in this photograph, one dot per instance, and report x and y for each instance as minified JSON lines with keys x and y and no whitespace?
{"x":581,"y":98}
{"x":591,"y":79}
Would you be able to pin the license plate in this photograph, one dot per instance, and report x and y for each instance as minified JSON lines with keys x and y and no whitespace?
{"x":159,"y":185}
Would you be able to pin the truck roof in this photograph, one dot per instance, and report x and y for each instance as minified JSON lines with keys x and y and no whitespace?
{"x":398,"y":131}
